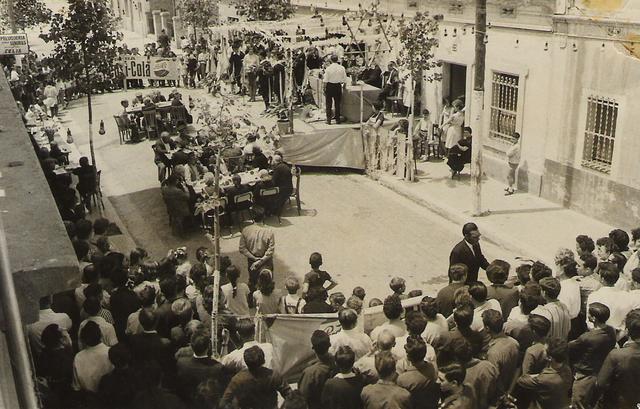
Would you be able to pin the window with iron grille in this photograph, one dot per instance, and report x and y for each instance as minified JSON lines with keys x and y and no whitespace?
{"x":504,"y":106}
{"x":600,"y":133}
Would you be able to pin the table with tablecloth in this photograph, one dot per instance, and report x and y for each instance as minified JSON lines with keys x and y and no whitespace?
{"x":350,"y":106}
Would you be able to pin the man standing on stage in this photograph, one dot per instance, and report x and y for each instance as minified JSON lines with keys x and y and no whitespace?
{"x":257,"y":244}
{"x":335,"y":76}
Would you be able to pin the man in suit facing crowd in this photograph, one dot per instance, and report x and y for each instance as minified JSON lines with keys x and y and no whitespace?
{"x":469,"y":253}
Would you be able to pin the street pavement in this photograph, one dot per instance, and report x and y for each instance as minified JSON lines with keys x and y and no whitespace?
{"x":366,"y":233}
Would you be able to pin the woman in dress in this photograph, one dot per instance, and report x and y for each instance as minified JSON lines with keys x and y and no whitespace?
{"x":266,"y":298}
{"x":453,"y":125}
{"x":236,"y":293}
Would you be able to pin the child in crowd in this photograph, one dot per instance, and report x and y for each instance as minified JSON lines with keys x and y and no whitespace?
{"x":182,"y":260}
{"x":359,"y":292}
{"x":398,"y":286}
{"x":291,"y":303}
{"x":317,"y":278}
{"x":337,"y":300}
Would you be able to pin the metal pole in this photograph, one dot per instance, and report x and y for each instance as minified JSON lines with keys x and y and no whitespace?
{"x":16,"y":340}
{"x":477,"y":106}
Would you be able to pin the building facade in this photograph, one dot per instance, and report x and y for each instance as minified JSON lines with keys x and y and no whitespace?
{"x":145,"y":17}
{"x":562,"y":73}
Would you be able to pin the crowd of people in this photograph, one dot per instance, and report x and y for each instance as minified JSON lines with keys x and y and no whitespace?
{"x":137,"y":333}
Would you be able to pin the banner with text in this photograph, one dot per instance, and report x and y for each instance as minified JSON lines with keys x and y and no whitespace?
{"x":290,"y":335}
{"x":14,"y":44}
{"x":139,"y":67}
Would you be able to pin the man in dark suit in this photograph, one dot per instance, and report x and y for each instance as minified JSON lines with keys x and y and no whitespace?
{"x":123,"y":302}
{"x":469,"y":253}
{"x":282,"y":179}
{"x":150,"y":346}
{"x":193,"y":370}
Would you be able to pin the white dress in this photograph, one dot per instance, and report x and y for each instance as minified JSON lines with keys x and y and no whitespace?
{"x":454,"y":131}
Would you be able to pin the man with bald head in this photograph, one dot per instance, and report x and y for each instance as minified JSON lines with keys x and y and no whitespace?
{"x":367,"y":364}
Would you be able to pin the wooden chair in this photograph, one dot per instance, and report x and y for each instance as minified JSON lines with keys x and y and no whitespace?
{"x":245,"y":199}
{"x":123,"y":131}
{"x":178,"y":114}
{"x":296,"y":172}
{"x":96,"y":195}
{"x":271,"y":194}
{"x":151,"y":122}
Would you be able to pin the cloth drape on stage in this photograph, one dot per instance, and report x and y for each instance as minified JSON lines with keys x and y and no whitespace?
{"x":340,"y":147}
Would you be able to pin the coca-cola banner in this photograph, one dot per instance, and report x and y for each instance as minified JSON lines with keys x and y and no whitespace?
{"x":149,"y":68}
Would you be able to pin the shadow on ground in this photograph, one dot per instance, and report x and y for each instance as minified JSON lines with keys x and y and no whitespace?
{"x":148,"y":223}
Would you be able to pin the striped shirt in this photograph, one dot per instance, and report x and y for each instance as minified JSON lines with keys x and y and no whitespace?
{"x":558,"y":314}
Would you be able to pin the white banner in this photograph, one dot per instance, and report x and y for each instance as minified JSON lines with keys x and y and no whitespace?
{"x":13,"y":44}
{"x":149,"y":68}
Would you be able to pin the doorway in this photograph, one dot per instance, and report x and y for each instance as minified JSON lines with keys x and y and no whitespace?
{"x":455,"y":85}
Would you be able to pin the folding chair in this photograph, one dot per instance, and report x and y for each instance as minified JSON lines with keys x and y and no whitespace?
{"x":272,"y":194}
{"x":245,"y":199}
{"x":150,"y":122}
{"x":296,"y":172}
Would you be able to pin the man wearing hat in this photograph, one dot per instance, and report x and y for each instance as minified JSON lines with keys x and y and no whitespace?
{"x":335,"y":77}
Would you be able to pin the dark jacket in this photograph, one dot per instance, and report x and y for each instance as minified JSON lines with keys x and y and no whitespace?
{"x":123,"y":303}
{"x":148,"y":347}
{"x":260,"y":161}
{"x":550,"y":389}
{"x":117,"y":388}
{"x":461,"y":253}
{"x":313,"y":380}
{"x":339,"y":393}
{"x":257,"y":390}
{"x":282,"y":177}
{"x":191,"y":371}
{"x":618,"y":376}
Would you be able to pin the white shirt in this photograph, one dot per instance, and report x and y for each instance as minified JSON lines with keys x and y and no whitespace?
{"x":15,"y":76}
{"x":234,"y":360}
{"x":513,"y":153}
{"x":46,"y":318}
{"x":618,"y":302}
{"x":133,"y":323}
{"x":396,"y":328}
{"x":89,"y":366}
{"x":435,"y":328}
{"x":335,"y":74}
{"x":399,"y":351}
{"x":570,"y":296}
{"x":358,"y":341}
{"x":492,"y":304}
{"x":109,"y":337}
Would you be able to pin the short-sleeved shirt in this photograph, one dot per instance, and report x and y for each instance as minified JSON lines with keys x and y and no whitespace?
{"x":317,"y":278}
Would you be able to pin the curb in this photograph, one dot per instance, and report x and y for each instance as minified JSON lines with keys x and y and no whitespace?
{"x":490,"y":233}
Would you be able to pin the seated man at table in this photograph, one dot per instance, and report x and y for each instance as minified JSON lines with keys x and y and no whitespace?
{"x":259,"y":161}
{"x":282,"y":179}
{"x":234,"y":190}
{"x":265,"y":182}
{"x":177,"y":102}
{"x":158,"y":97}
{"x":138,"y":100}
{"x":161,"y":148}
{"x":86,"y":181}
{"x":373,"y":75}
{"x":128,"y":122}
